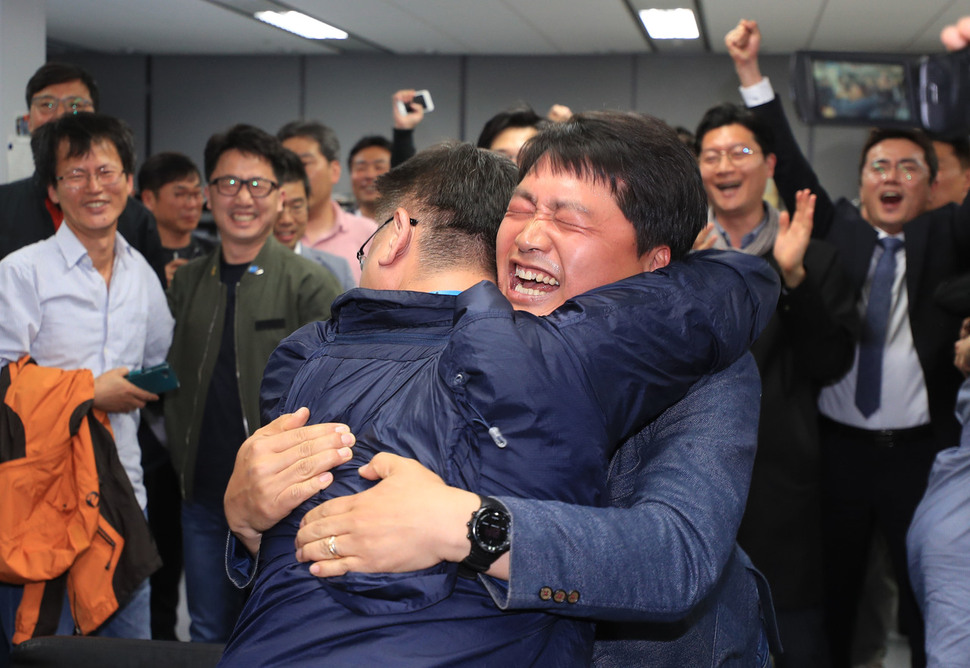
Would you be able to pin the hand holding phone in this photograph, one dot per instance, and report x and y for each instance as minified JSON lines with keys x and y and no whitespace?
{"x":157,"y":379}
{"x":419,"y":99}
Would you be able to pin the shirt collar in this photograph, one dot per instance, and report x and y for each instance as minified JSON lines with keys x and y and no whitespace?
{"x":747,"y":238}
{"x":74,"y":251}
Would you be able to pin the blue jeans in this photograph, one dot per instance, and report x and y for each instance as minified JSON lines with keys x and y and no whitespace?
{"x":132,"y":621}
{"x":214,"y":602}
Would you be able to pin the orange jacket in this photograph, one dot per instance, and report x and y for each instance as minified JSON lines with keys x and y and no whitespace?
{"x":69,"y":519}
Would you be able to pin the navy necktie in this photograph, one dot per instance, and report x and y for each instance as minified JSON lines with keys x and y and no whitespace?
{"x":869,"y":381}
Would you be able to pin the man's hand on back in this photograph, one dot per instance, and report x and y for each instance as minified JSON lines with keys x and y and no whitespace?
{"x":408,"y":521}
{"x":279,"y":467}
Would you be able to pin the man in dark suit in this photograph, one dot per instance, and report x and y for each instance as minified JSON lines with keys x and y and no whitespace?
{"x":885,"y":420}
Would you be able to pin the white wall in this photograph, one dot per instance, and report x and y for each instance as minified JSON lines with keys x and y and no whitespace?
{"x":23,"y":36}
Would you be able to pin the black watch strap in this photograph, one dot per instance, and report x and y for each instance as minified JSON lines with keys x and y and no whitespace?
{"x":488,"y":532}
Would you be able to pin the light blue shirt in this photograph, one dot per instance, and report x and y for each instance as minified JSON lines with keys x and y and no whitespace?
{"x":904,"y":401}
{"x":57,"y":308}
{"x":938,"y":550}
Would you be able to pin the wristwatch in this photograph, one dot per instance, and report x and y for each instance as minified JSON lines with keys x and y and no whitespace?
{"x":488,"y":531}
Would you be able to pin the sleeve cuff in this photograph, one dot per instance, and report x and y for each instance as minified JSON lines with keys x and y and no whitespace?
{"x":757,"y":94}
{"x":240,"y":565}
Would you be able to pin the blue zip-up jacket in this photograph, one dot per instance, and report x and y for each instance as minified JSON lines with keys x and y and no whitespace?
{"x":495,"y":401}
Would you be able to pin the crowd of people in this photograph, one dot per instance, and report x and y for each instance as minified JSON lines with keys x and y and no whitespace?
{"x":576,"y":395}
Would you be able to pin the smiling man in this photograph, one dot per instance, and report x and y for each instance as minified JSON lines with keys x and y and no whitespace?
{"x":231,"y":307}
{"x":291,"y":224}
{"x":171,"y":188}
{"x":883,"y":421}
{"x":329,"y":228}
{"x":602,"y":198}
{"x":26,"y":213}
{"x":85,"y":299}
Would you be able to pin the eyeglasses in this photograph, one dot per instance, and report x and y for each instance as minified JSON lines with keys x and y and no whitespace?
{"x":47,"y":105}
{"x":296,"y":206}
{"x":737,"y":154}
{"x":189,"y":195}
{"x":907,"y":169}
{"x":104,"y":176}
{"x":231,"y":185}
{"x":360,"y":253}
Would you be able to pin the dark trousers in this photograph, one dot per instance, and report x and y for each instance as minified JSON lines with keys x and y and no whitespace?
{"x":165,"y":522}
{"x":869,"y":479}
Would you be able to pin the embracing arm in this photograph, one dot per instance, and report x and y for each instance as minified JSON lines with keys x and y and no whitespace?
{"x":679,"y":488}
{"x":642,"y":342}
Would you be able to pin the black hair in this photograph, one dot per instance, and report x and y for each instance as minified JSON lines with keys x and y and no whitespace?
{"x":80,"y":131}
{"x":733,"y":114}
{"x":293,"y":170}
{"x":325,"y":138}
{"x":368,"y":142}
{"x":55,"y":73}
{"x":245,"y":139}
{"x":460,"y":193}
{"x":918,"y":137}
{"x":960,"y":145}
{"x":653,"y":176}
{"x":163,"y":168}
{"x":516,"y":117}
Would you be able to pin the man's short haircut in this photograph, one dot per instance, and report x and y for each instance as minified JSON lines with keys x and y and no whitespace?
{"x":163,"y":168}
{"x":55,"y":73}
{"x":961,"y":147}
{"x":918,"y":137}
{"x":516,"y":117}
{"x":460,"y":194}
{"x":80,"y":131}
{"x":293,"y":170}
{"x":653,"y":176}
{"x":325,"y":138}
{"x":245,"y":139}
{"x":368,"y":142}
{"x":733,"y":114}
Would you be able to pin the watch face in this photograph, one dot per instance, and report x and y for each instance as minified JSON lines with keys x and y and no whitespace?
{"x":491,"y":530}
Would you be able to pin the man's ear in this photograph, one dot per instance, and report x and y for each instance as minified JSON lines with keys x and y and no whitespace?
{"x":130,"y":184}
{"x":149,"y":200}
{"x":52,"y":194}
{"x":396,"y":243}
{"x":208,"y":200}
{"x":655,"y":258}
{"x":771,"y":161}
{"x":335,"y":171}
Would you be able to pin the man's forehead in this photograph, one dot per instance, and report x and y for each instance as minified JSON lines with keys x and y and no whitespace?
{"x":233,"y":155}
{"x":103,"y":146}
{"x":898,"y":148}
{"x":294,"y":189}
{"x":371,"y":154}
{"x":190,"y":181}
{"x":308,"y":146}
{"x":728,"y":135}
{"x":71,"y":87}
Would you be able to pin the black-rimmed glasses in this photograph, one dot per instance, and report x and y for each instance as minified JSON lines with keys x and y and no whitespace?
{"x":230,"y":186}
{"x":360,"y":253}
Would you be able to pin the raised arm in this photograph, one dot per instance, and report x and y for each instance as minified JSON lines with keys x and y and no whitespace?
{"x":792,"y":170}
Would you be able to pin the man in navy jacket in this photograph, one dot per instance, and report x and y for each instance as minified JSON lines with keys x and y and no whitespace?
{"x":665,"y":552}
